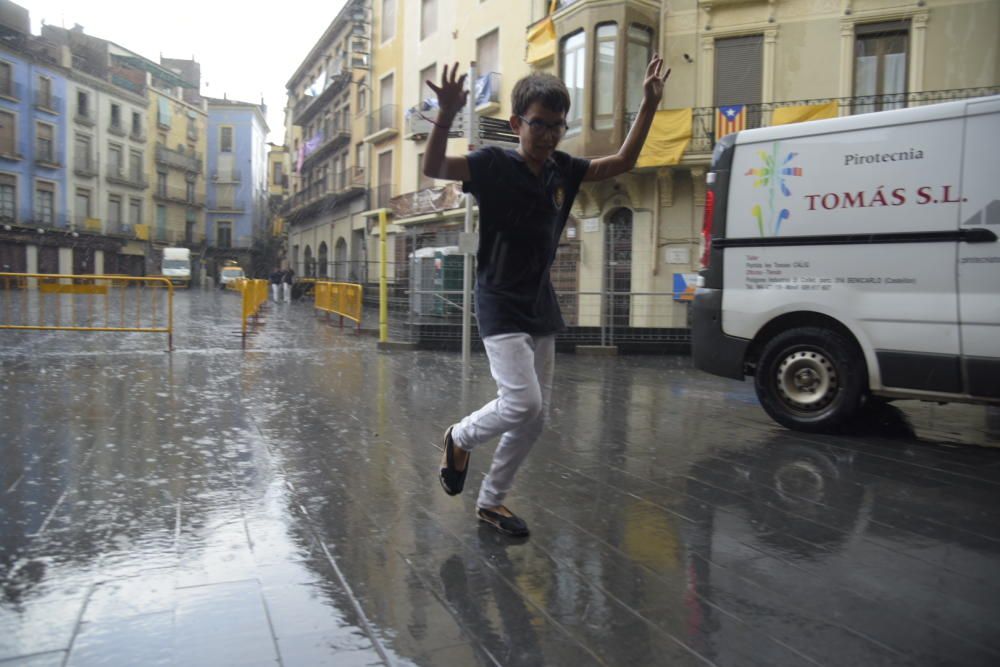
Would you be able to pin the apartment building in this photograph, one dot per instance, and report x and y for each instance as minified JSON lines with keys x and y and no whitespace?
{"x":328,"y":96}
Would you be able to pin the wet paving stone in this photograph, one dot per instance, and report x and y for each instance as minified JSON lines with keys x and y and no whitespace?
{"x":279,"y":505}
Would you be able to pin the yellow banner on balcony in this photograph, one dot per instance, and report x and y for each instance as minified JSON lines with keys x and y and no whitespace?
{"x":668,"y":138}
{"x":803,"y":113}
{"x":92,"y":224}
{"x":141,"y":232}
{"x":541,"y":41}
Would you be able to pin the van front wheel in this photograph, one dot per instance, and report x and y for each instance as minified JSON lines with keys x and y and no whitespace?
{"x":810,"y":379}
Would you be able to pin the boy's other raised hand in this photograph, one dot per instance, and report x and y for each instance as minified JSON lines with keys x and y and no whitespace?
{"x":451,"y":93}
{"x":653,"y":85}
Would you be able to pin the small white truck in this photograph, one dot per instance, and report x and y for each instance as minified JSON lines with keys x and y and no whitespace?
{"x":177,"y":265}
{"x":855,"y":257}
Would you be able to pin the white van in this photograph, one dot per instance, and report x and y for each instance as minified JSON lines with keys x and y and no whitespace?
{"x":853,"y":257}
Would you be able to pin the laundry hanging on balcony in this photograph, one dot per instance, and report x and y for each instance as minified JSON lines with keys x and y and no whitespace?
{"x":669,"y":136}
{"x":804,"y":112}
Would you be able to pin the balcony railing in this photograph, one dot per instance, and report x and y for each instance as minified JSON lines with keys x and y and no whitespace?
{"x":116,"y":129}
{"x":137,"y":134}
{"x":382,"y":121}
{"x":179,"y":196}
{"x":12,"y":91}
{"x":84,"y":165}
{"x":131,"y":177}
{"x":178,"y":159}
{"x":227,"y":176}
{"x":45,"y":154}
{"x":338,"y":183}
{"x":84,"y":118}
{"x":428,"y":200}
{"x":705,"y":119}
{"x":333,"y":137}
{"x":49,"y":102}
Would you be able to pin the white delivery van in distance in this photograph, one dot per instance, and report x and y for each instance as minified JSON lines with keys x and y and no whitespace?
{"x":855,"y":257}
{"x":177,"y":265}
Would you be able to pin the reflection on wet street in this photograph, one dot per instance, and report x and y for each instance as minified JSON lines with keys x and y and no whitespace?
{"x":280,"y":505}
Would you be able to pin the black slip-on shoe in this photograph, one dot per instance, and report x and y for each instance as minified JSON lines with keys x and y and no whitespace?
{"x":512,"y":525}
{"x":452,"y":480}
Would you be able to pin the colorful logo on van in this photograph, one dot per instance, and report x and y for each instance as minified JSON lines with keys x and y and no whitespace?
{"x":774,"y":177}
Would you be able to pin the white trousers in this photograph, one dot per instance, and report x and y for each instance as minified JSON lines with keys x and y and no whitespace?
{"x":522,"y":366}
{"x":276,"y":292}
{"x":288,"y":291}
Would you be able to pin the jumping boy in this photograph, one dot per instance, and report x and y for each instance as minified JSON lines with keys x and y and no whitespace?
{"x":525,"y":197}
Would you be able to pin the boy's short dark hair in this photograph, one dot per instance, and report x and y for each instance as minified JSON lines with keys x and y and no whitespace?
{"x":546,"y":89}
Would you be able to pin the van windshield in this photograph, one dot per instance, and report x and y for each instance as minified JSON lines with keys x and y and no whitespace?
{"x":175,"y":264}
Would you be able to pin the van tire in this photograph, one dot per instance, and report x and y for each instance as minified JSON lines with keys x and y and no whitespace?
{"x":810,"y":379}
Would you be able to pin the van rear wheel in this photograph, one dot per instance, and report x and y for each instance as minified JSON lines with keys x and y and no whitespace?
{"x":810,"y":379}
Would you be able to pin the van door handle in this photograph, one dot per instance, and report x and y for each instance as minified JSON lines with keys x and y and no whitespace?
{"x":978,"y":235}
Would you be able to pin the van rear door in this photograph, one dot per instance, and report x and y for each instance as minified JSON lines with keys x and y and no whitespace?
{"x":979,"y":253}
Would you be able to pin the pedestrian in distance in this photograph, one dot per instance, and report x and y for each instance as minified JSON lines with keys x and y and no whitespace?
{"x":276,"y":277}
{"x":287,"y":278}
{"x":525,"y":196}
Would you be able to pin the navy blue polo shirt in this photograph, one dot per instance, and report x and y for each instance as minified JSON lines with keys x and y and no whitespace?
{"x":521,"y":217}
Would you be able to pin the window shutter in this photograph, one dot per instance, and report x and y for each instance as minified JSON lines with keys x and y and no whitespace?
{"x":738,"y":70}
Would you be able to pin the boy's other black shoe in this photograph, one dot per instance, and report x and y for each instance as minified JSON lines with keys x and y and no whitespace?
{"x":452,"y":480}
{"x":511,"y":525}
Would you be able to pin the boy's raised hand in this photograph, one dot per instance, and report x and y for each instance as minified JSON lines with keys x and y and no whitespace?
{"x":653,"y":85}
{"x":451,"y":93}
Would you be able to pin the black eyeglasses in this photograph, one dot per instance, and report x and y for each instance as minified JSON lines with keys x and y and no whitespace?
{"x":540,"y":127}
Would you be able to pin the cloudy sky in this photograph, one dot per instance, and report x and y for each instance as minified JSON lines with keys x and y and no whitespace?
{"x":245,"y":51}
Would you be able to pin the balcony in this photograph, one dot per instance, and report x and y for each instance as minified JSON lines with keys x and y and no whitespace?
{"x":382,"y":124}
{"x":309,"y":106}
{"x":117,"y":129}
{"x":137,"y":134}
{"x":84,"y":166}
{"x":130,"y":178}
{"x":12,"y":92}
{"x":426,"y":201}
{"x":86,"y":223}
{"x":334,"y":137}
{"x":705,"y":129}
{"x":190,"y":162}
{"x":175,"y":195}
{"x":381,"y":196}
{"x":14,"y":151}
{"x":230,"y":205}
{"x":84,"y":118}
{"x":45,"y":154}
{"x":419,"y":124}
{"x":330,"y":191}
{"x":48,"y":103}
{"x":227,"y":176}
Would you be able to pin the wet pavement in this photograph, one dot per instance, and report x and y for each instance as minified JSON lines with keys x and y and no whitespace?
{"x":279,"y":506}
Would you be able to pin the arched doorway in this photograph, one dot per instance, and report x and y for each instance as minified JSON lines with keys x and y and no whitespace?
{"x":308,"y":262}
{"x":324,"y":267}
{"x":340,"y":260}
{"x":618,"y":268}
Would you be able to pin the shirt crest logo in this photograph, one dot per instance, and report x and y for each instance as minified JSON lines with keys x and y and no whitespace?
{"x":559,"y":196}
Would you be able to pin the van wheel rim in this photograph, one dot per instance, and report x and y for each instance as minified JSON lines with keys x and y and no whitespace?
{"x":807,"y":380}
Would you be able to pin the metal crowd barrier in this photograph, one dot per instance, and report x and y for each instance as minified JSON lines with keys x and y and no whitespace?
{"x":91,"y":302}
{"x":342,"y":299}
{"x":254,"y":296}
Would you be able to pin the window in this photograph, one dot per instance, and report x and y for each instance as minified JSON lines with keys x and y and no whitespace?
{"x":189,"y":192}
{"x":428,"y":18}
{"x":6,"y":80}
{"x":161,"y":221}
{"x":739,"y":75}
{"x":135,"y":211}
{"x":572,"y":56}
{"x":136,"y":124}
{"x":226,"y":139}
{"x":114,"y":213}
{"x":116,"y":116}
{"x":45,"y":198}
{"x":604,"y":77}
{"x":45,"y":148}
{"x":115,"y":160}
{"x":8,"y":197}
{"x":82,"y":104}
{"x":82,"y":207}
{"x":44,"y":92}
{"x":488,"y":53}
{"x":388,"y":19}
{"x":423,"y":182}
{"x":428,"y":73}
{"x":277,"y":174}
{"x":161,"y":183}
{"x":384,"y":193}
{"x":135,"y":169}
{"x":385,"y":90}
{"x":224,"y":234}
{"x":362,"y":94}
{"x":82,"y":155}
{"x":8,"y":133}
{"x":359,"y":156}
{"x":639,"y":53}
{"x":880,"y":53}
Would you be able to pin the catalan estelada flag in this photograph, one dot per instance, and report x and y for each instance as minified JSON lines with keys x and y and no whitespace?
{"x":729,"y":119}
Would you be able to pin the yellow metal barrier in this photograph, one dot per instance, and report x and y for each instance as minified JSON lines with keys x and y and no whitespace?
{"x":63,"y":302}
{"x":254,"y":293}
{"x":342,"y":299}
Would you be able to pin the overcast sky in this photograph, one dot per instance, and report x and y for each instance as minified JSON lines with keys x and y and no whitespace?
{"x":245,"y":51}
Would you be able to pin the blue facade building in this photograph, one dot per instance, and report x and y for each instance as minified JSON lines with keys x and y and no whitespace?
{"x":237,"y":210}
